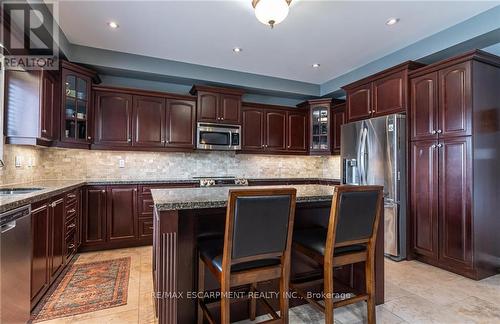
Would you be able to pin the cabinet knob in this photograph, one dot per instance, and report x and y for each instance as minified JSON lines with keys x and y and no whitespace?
{"x":433,"y":146}
{"x":163,"y":141}
{"x":89,"y":137}
{"x":288,"y":146}
{"x":103,"y":191}
{"x":135,"y":189}
{"x":71,"y":246}
{"x":167,"y":142}
{"x":222,"y":118}
{"x":263,"y":145}
{"x":44,"y":131}
{"x":433,"y":132}
{"x":439,"y":131}
{"x":129,"y":140}
{"x":440,"y":145}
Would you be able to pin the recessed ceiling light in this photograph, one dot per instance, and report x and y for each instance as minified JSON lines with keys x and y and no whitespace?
{"x":113,"y":24}
{"x":316,"y":65}
{"x":391,"y":21}
{"x":237,"y":49}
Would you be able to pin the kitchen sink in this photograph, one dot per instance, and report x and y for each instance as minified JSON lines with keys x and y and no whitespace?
{"x":17,"y":191}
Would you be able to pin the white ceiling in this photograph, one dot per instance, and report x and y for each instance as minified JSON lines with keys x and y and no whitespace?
{"x":341,"y":36}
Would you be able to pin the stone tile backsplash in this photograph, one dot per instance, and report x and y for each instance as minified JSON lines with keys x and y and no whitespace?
{"x":66,"y":164}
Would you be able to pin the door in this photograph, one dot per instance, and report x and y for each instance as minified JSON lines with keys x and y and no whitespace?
{"x":338,"y":119}
{"x":75,"y":112}
{"x":424,"y":107}
{"x":121,"y":212}
{"x":230,"y":107}
{"x":389,"y":94}
{"x":455,"y":197}
{"x":275,"y":130}
{"x":359,"y":102}
{"x":180,"y":123}
{"x":49,"y":105}
{"x":208,"y":104}
{"x":113,"y":120}
{"x":57,"y":230}
{"x":319,"y":141}
{"x":253,"y":129}
{"x":94,"y":215}
{"x":297,"y":131}
{"x":148,"y":121}
{"x":424,"y":197}
{"x":40,"y":255}
{"x":455,"y":101}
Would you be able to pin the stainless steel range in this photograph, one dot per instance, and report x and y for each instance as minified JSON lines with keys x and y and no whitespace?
{"x":221,"y":181}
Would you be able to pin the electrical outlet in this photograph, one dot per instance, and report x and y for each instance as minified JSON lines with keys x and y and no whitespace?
{"x":121,"y":163}
{"x":18,"y":161}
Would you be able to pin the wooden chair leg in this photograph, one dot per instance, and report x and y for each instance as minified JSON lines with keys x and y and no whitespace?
{"x":225,"y":304}
{"x":252,"y":306}
{"x":328,"y":291}
{"x":284,"y":288}
{"x":370,"y":289}
{"x":201,"y":287}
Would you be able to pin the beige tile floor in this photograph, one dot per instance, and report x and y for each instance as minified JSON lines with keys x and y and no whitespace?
{"x":415,"y":293}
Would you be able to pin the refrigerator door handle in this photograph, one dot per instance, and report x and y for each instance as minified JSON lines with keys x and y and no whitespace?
{"x":362,"y":157}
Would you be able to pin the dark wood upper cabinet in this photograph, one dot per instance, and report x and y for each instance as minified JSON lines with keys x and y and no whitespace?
{"x":76,"y":105}
{"x":230,"y":106}
{"x":389,"y":94}
{"x":380,"y":94}
{"x":40,"y":256}
{"x":252,"y":129}
{"x":50,"y":106}
{"x":275,"y":122}
{"x":113,"y":119}
{"x":455,"y":101}
{"x":455,"y":199}
{"x":359,"y":102}
{"x":297,"y":131}
{"x":218,"y":105}
{"x":148,"y":120}
{"x":180,"y":123}
{"x":338,"y":119}
{"x":94,"y":216}
{"x":424,"y":193}
{"x":424,"y":107}
{"x":32,"y":107}
{"x":121,"y":212}
{"x":208,"y":103}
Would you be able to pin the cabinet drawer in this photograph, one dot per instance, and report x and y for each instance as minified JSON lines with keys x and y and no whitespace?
{"x":146,"y":189}
{"x":71,"y":209}
{"x":146,"y":206}
{"x":70,"y":245}
{"x":71,"y":197}
{"x":70,"y":226}
{"x":146,"y":227}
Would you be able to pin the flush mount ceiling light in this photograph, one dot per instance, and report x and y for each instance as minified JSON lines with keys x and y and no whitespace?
{"x":113,"y":25}
{"x":271,"y":12}
{"x":316,"y":65}
{"x":237,"y":49}
{"x":391,"y":21}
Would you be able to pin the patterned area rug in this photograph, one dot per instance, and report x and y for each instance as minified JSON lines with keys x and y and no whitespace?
{"x":86,"y":287}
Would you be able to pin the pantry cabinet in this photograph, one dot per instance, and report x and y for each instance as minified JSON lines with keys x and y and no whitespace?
{"x":453,"y":215}
{"x":338,"y":119}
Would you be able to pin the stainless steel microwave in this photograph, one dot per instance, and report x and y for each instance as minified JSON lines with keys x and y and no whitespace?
{"x":218,"y":137}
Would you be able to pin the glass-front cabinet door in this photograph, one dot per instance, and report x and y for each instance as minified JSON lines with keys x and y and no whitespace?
{"x":320,"y":128}
{"x":76,"y":107}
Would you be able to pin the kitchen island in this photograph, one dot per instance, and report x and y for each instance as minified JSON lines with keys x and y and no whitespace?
{"x":182,"y":216}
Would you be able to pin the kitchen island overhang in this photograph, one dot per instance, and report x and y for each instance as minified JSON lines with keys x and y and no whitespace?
{"x":183,"y":216}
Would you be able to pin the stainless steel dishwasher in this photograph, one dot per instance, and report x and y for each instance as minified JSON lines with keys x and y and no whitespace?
{"x":15,"y":265}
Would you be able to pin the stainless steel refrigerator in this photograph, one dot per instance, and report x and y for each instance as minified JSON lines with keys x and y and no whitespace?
{"x":373,"y":152}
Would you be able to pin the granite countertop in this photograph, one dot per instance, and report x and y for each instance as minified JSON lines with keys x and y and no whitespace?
{"x":54,"y":187}
{"x":50,"y":188}
{"x":198,"y":198}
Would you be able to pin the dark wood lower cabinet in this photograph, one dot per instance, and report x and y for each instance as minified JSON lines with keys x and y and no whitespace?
{"x":94,"y":216}
{"x":121,"y":213}
{"x":49,"y":228}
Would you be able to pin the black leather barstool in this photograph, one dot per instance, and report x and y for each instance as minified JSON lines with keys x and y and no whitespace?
{"x":256,"y":247}
{"x":350,"y":238}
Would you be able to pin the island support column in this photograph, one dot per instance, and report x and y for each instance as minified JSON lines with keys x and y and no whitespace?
{"x":165,"y":260}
